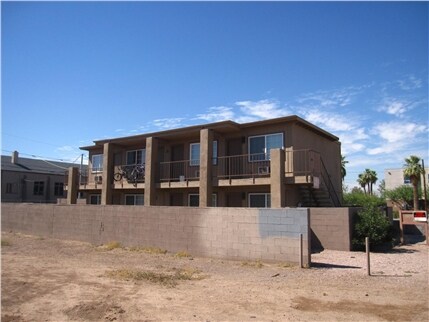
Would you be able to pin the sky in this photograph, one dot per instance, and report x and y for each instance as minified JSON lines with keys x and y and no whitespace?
{"x":76,"y":72}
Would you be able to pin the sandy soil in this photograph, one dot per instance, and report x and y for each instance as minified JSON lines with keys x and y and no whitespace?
{"x":52,"y":280}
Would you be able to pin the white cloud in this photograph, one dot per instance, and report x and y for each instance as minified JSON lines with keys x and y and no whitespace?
{"x":263,"y":109}
{"x":396,"y":136}
{"x":340,"y":97}
{"x":216,"y":114}
{"x":394,"y":132}
{"x":168,"y":123}
{"x":410,"y":83}
{"x":329,"y":121}
{"x":395,"y":106}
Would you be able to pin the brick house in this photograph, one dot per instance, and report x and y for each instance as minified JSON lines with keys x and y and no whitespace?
{"x":282,"y":162}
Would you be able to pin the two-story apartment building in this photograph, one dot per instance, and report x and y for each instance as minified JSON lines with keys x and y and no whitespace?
{"x":272,"y":163}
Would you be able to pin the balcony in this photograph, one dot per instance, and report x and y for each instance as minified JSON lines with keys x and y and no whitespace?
{"x":88,"y":179}
{"x":184,"y":173}
{"x":242,"y":169}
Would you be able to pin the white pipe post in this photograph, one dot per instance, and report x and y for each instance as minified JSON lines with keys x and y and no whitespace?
{"x":368,"y":266}
{"x":300,"y":251}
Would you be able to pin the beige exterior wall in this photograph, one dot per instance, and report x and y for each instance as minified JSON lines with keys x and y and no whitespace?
{"x":395,"y":178}
{"x":329,"y":150}
{"x":251,"y":234}
{"x":332,"y":228}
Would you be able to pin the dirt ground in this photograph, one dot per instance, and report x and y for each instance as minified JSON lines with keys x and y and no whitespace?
{"x":53,"y":280}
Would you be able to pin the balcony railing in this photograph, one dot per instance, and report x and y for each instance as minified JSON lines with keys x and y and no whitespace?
{"x":133,"y":173}
{"x":302,"y":163}
{"x":185,"y":170}
{"x":242,"y":166}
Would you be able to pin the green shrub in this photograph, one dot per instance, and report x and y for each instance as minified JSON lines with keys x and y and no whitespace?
{"x":360,"y":199}
{"x":372,"y":223}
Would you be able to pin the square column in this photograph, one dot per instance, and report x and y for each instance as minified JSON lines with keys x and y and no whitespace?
{"x":107,"y":175}
{"x":277,"y":178}
{"x":150,"y":171}
{"x":72,"y":184}
{"x":206,"y":163}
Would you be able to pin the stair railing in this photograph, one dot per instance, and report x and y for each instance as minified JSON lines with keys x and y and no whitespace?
{"x":328,"y":184}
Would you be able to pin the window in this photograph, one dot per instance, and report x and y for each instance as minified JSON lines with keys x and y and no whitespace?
{"x":134,"y":200}
{"x":214,"y":200}
{"x":38,"y":188}
{"x":9,"y":188}
{"x":95,"y":199}
{"x":407,"y":180}
{"x":194,"y":200}
{"x":194,"y":153}
{"x":59,"y":189}
{"x":136,"y":157}
{"x":260,"y":146}
{"x":97,"y":163}
{"x":260,"y":200}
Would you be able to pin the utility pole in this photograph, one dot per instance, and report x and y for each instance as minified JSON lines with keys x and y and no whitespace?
{"x":80,"y":172}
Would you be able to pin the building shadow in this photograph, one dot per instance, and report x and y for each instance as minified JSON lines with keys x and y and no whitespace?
{"x":326,"y":265}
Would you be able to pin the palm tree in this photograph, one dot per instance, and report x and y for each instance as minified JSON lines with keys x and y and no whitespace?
{"x":414,"y":170}
{"x":343,"y":166}
{"x":371,"y":176}
{"x":362,"y":180}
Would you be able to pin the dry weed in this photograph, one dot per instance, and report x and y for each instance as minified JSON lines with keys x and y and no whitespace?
{"x":256,"y":264}
{"x":182,"y":254}
{"x":5,"y":242}
{"x":148,"y":250}
{"x":168,"y":280}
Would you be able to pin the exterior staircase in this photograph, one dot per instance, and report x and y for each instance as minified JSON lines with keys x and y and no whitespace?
{"x":324,"y":196}
{"x":311,"y":197}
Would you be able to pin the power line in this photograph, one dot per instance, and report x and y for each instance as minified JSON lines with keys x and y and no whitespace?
{"x":44,"y":157}
{"x":28,"y":139}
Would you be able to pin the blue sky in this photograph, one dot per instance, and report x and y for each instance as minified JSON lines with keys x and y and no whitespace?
{"x":76,"y":72}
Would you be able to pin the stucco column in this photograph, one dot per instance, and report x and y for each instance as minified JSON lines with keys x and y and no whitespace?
{"x":206,"y":162}
{"x":150,"y":171}
{"x":106,"y":184}
{"x":72,"y":185}
{"x":277,"y":178}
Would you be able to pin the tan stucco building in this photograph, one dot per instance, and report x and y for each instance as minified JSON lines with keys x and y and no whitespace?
{"x":32,"y":180}
{"x":272,"y":163}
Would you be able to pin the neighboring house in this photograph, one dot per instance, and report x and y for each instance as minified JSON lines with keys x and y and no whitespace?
{"x":394,"y":178}
{"x":279,"y":162}
{"x":32,"y":180}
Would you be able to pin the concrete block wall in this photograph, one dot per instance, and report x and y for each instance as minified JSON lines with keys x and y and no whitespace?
{"x":233,"y":233}
{"x":332,"y":228}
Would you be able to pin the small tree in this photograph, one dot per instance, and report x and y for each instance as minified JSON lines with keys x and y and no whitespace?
{"x":401,"y":196}
{"x":372,"y":223}
{"x":414,"y":170}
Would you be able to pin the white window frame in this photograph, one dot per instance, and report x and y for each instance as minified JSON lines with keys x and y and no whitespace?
{"x":266,"y":194}
{"x":196,"y":162}
{"x":93,"y":169}
{"x":98,"y":196}
{"x":214,"y":199}
{"x":143,"y":153}
{"x":266,"y":158}
{"x":135,"y":199}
